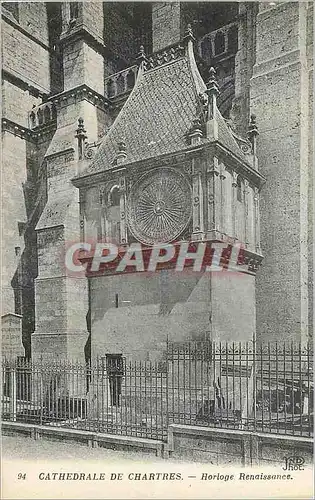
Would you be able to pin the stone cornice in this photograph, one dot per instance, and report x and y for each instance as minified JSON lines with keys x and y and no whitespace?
{"x":16,"y":129}
{"x":255,"y":177}
{"x":82,"y":92}
{"x":25,"y":133}
{"x":165,"y":160}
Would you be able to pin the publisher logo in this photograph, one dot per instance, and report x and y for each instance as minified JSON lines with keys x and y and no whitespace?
{"x":293,"y":463}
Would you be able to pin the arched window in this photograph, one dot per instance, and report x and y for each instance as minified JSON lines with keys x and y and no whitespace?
{"x":239,"y":189}
{"x":113,"y":214}
{"x":110,"y":88}
{"x":219,"y":43}
{"x":46,"y":114}
{"x":53,"y":113}
{"x":40,"y":117}
{"x":114,"y":196}
{"x":33,"y":119}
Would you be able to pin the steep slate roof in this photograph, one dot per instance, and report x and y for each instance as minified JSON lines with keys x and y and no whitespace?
{"x":157,"y":116}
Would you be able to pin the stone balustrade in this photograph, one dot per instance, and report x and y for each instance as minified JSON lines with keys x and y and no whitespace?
{"x":41,"y":115}
{"x":222,"y":41}
{"x":121,"y":82}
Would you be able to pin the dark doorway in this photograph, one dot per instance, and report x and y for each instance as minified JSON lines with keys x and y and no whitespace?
{"x":115,"y":372}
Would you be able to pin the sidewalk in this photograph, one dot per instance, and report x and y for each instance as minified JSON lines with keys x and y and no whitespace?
{"x":16,"y":447}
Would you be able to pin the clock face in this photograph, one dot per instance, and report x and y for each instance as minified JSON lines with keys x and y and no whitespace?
{"x":159,"y":206}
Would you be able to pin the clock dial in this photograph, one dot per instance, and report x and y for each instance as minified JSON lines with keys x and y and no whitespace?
{"x":159,"y":206}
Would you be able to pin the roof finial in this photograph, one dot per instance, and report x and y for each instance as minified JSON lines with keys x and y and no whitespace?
{"x":81,"y":136}
{"x":252,"y":133}
{"x":189,"y":35}
{"x":141,"y":57}
{"x":212,"y":92}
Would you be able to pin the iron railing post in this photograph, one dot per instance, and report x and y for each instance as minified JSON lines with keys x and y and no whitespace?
{"x":13,"y":395}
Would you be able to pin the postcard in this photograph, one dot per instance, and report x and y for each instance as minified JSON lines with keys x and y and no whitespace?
{"x":157,"y":237}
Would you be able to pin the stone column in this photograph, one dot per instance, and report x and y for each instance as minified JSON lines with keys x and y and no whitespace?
{"x":223,"y":197}
{"x":123,"y":224}
{"x":282,"y":99}
{"x":257,"y":221}
{"x":213,"y":198}
{"x":246,"y":228}
{"x":234,"y":188}
{"x":198,"y":216}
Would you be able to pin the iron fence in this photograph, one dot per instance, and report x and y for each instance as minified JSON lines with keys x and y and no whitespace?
{"x":266,"y":388}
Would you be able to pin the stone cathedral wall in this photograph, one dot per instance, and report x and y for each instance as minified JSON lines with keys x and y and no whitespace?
{"x":277,"y":88}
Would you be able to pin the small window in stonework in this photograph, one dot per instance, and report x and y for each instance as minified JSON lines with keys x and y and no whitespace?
{"x":219,"y":43}
{"x":40,"y":117}
{"x":12,"y":7}
{"x":110,"y":88}
{"x":46,"y":114}
{"x":33,"y":119}
{"x":74,"y":10}
{"x":239,"y":188}
{"x":114,"y":199}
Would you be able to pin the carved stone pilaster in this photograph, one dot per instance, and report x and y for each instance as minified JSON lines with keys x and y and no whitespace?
{"x":223,"y":197}
{"x":213,"y":196}
{"x":82,"y":214}
{"x":198,"y":211}
{"x":234,"y":188}
{"x":122,"y":205}
{"x":251,"y":217}
{"x":257,"y":221}
{"x":246,"y":235}
{"x":103,"y":210}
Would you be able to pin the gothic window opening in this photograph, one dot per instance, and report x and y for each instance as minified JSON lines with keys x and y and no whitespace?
{"x":40,"y":117}
{"x":114,"y":213}
{"x":33,"y":119}
{"x":114,"y":196}
{"x":110,"y":88}
{"x":46,"y":114}
{"x":219,"y":43}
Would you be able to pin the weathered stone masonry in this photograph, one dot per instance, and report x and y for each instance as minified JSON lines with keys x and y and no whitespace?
{"x":57,"y":62}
